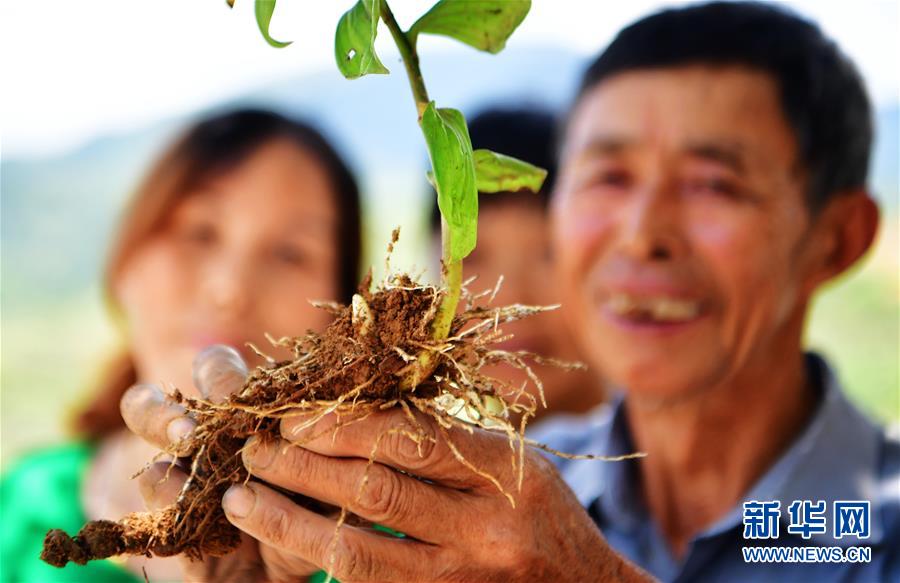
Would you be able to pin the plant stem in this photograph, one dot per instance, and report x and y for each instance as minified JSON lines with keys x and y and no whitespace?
{"x":451,"y":278}
{"x":410,"y":58}
{"x":451,"y":272}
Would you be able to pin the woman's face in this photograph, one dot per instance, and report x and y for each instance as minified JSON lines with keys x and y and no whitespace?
{"x":239,"y":257}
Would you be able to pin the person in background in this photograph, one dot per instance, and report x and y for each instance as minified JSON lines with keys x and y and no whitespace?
{"x":514,"y":241}
{"x":241,"y":221}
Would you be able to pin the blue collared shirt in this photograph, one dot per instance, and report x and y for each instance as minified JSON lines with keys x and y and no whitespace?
{"x":839,"y":456}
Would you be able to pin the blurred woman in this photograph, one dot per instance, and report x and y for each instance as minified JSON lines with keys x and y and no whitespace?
{"x":239,"y":223}
{"x":514,"y":241}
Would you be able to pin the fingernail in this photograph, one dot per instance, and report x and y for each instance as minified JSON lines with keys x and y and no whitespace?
{"x":218,"y":371}
{"x":147,"y":488}
{"x":142,"y":394}
{"x":239,"y":500}
{"x":147,"y":483}
{"x":258,"y":455}
{"x":179,"y":429}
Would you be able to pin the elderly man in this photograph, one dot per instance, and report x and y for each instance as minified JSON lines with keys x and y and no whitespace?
{"x":713,"y":177}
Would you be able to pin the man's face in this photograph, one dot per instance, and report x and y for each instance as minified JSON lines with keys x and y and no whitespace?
{"x":681,"y":227}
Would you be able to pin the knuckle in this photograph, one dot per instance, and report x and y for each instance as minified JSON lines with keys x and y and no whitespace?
{"x":275,"y":527}
{"x":504,"y":558}
{"x":382,"y":496}
{"x":541,"y":463}
{"x":298,"y":463}
{"x":504,"y":545}
{"x":539,"y":472}
{"x":497,"y":539}
{"x":414,"y":453}
{"x":352,"y":561}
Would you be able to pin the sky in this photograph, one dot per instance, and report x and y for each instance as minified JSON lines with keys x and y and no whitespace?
{"x":75,"y":70}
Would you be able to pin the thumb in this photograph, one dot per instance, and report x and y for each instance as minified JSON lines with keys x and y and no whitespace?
{"x":219,"y":372}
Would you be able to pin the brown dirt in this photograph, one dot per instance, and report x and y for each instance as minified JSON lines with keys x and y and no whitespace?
{"x":352,"y":368}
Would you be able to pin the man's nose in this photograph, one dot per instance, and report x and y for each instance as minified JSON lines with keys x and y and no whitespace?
{"x":650,"y":227}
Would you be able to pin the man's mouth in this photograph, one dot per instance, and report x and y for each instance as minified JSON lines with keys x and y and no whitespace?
{"x":653,"y":309}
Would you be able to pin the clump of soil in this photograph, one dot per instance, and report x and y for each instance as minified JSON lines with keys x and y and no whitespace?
{"x":354,"y":368}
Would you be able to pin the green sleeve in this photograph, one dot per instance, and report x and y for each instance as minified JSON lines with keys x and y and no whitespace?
{"x":39,"y":492}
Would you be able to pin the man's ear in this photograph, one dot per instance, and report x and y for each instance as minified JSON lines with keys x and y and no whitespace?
{"x":844,"y":230}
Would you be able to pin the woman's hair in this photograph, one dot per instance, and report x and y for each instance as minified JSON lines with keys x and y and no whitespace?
{"x":209,"y":148}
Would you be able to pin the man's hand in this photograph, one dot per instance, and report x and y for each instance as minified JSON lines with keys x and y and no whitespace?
{"x":459,"y":525}
{"x":218,"y":372}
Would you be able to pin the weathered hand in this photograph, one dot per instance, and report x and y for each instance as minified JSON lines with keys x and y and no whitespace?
{"x":459,"y":526}
{"x":218,"y":372}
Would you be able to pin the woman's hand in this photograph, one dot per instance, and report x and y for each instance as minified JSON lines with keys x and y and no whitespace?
{"x":218,"y":372}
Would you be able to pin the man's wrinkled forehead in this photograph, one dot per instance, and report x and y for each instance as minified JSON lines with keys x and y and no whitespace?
{"x":727,"y":113}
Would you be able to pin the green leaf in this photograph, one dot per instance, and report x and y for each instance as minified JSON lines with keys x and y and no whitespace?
{"x":500,"y":173}
{"x":450,"y":150}
{"x":483,"y":24}
{"x":354,"y":41}
{"x":264,"y":10}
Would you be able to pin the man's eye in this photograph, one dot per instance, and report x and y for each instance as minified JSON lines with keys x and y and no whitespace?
{"x":614,"y":178}
{"x":608,"y":179}
{"x":714,"y":186}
